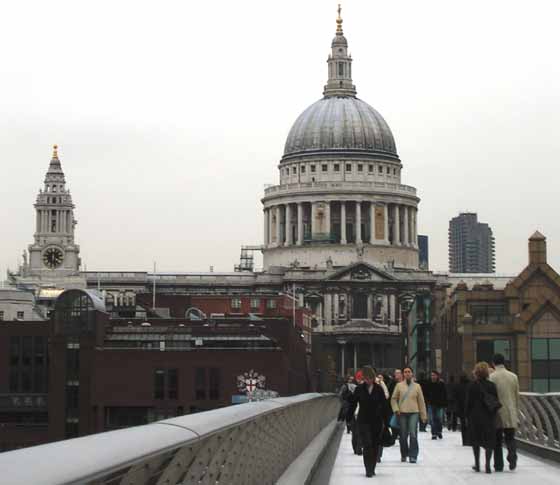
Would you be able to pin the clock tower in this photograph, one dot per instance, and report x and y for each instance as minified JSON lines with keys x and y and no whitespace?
{"x":53,"y":252}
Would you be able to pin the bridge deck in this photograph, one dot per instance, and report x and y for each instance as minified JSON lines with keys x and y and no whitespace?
{"x":441,"y":462}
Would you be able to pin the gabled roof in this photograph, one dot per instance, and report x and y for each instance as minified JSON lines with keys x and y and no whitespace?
{"x":525,"y":276}
{"x":361,"y":272}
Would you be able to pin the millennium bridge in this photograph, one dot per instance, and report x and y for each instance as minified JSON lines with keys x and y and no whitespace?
{"x":293,"y":440}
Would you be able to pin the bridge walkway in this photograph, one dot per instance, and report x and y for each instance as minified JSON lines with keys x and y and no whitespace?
{"x":441,"y":462}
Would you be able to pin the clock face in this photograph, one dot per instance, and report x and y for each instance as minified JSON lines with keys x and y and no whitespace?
{"x":53,"y":257}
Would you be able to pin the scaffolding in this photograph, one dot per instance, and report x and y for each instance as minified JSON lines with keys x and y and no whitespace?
{"x":247,"y":258}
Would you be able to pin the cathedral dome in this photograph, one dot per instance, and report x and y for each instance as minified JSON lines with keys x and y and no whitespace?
{"x":340,"y":123}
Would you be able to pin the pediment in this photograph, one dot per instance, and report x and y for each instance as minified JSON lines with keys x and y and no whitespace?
{"x":361,"y":272}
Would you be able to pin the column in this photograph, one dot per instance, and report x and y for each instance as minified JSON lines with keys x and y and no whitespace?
{"x":300,"y":223}
{"x":328,"y":308}
{"x":343,"y":222}
{"x":342,"y":363}
{"x":414,"y":214}
{"x":397,"y":227}
{"x":358,"y":222}
{"x":319,"y":313}
{"x":328,"y":218}
{"x":270,"y":227}
{"x":265,"y":217}
{"x":372,"y":223}
{"x":406,"y":240}
{"x":335,"y":297}
{"x":288,"y":225}
{"x":385,"y":309}
{"x":390,"y":309}
{"x":370,"y":307}
{"x":63,"y":220}
{"x":278,"y":225}
{"x":355,"y":357}
{"x":386,"y":223}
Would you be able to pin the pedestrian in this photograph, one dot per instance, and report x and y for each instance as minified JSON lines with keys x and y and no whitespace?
{"x":344,"y":394}
{"x":436,"y":399}
{"x":397,"y":377}
{"x":354,"y":426}
{"x":387,"y":416}
{"x":460,"y":405}
{"x":372,"y":403}
{"x":423,"y":382}
{"x":507,"y":386}
{"x":482,"y":406}
{"x":451,"y":405}
{"x":408,"y":404}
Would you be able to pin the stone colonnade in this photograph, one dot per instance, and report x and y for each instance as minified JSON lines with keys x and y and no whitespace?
{"x":292,"y":224}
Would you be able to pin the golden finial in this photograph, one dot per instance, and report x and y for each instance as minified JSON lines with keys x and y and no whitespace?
{"x":339,"y":21}
{"x":55,"y":152}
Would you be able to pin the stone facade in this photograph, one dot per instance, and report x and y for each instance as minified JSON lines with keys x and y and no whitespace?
{"x":520,"y":319}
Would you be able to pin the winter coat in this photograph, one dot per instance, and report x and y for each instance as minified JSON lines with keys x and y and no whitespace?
{"x":414,"y":402}
{"x":373,"y":407}
{"x":436,"y":394}
{"x":461,"y":396}
{"x":482,"y":423}
{"x":507,"y":385}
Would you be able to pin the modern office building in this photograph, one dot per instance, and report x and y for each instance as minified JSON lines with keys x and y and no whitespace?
{"x":471,"y":245}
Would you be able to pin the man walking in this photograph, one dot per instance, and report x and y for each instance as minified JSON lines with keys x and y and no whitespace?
{"x":436,"y":398}
{"x":408,"y":404}
{"x":507,"y":385}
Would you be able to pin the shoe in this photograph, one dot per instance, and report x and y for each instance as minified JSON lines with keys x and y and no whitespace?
{"x":412,"y":460}
{"x":370,"y":474}
{"x":359,"y":452}
{"x":513,"y":464}
{"x":403,"y":459}
{"x":434,"y":437}
{"x":498,"y":470}
{"x":476,"y":468}
{"x":440,"y":436}
{"x":488,"y":469}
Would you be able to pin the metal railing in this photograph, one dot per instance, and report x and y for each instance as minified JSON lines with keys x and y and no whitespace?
{"x":540,"y":420}
{"x":248,"y":444}
{"x":340,"y":185}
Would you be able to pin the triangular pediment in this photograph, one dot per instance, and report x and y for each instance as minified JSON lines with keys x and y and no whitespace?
{"x":529,"y":275}
{"x":361,"y":272}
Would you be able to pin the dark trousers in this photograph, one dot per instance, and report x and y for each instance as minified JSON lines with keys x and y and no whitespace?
{"x":356,"y":439}
{"x":435,"y":414}
{"x":509,"y":435}
{"x":371,"y":441}
{"x":464,"y":431}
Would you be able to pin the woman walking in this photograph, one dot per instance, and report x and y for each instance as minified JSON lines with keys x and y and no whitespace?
{"x":371,"y":416}
{"x":481,"y":408}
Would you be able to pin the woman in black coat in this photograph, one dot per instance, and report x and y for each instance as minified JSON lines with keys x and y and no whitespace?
{"x":371,"y":417}
{"x":460,"y":396}
{"x":482,"y":419}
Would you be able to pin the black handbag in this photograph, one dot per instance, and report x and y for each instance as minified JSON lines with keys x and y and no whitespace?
{"x":387,"y":438}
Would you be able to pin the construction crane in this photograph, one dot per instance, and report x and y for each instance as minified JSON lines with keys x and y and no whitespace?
{"x":247,"y":258}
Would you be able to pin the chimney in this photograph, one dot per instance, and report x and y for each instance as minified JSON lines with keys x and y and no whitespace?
{"x":537,"y":249}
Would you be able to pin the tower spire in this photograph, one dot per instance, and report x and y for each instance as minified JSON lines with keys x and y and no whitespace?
{"x":340,"y":65}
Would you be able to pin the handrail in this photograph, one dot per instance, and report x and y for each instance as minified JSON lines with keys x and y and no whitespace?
{"x":250,"y":443}
{"x":539,"y":420}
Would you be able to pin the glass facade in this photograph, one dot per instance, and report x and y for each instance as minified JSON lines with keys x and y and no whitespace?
{"x":545,"y":365}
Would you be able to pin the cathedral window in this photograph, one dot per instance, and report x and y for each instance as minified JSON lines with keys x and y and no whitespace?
{"x":380,"y":168}
{"x":341,"y":69}
{"x":312,"y":168}
{"x":1,"y":315}
{"x":370,"y":168}
{"x":324,"y":167}
{"x":337,"y":167}
{"x":348,"y":167}
{"x":20,"y":315}
{"x":294,"y":170}
{"x":54,"y":188}
{"x":360,"y":167}
{"x":302,"y":169}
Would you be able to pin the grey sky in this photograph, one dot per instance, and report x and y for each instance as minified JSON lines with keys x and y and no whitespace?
{"x":171,"y":117}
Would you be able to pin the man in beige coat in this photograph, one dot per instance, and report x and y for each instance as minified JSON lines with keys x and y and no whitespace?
{"x":507,"y":385}
{"x":408,"y":404}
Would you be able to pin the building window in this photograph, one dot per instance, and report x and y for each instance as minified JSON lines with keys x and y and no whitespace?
{"x":200,"y":384}
{"x":159,"y":384}
{"x":302,"y":169}
{"x":486,"y":349}
{"x":545,"y":365}
{"x":485,"y":313}
{"x":360,"y":167}
{"x":341,"y":69}
{"x":287,"y":171}
{"x":271,"y":304}
{"x":1,"y":315}
{"x":255,"y":303}
{"x":324,"y":167}
{"x":348,"y":167}
{"x":313,"y":168}
{"x":236,"y":303}
{"x":214,"y":390}
{"x":380,"y":168}
{"x":370,"y":168}
{"x":337,"y":167}
{"x":20,"y":315}
{"x":172,"y":384}
{"x":294,"y":170}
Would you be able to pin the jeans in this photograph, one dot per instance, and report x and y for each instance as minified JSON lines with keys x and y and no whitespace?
{"x":409,"y":428}
{"x":435,"y":415}
{"x":509,"y":435}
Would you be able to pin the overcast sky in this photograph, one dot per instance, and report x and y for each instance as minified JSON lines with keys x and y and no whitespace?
{"x":171,"y":116}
